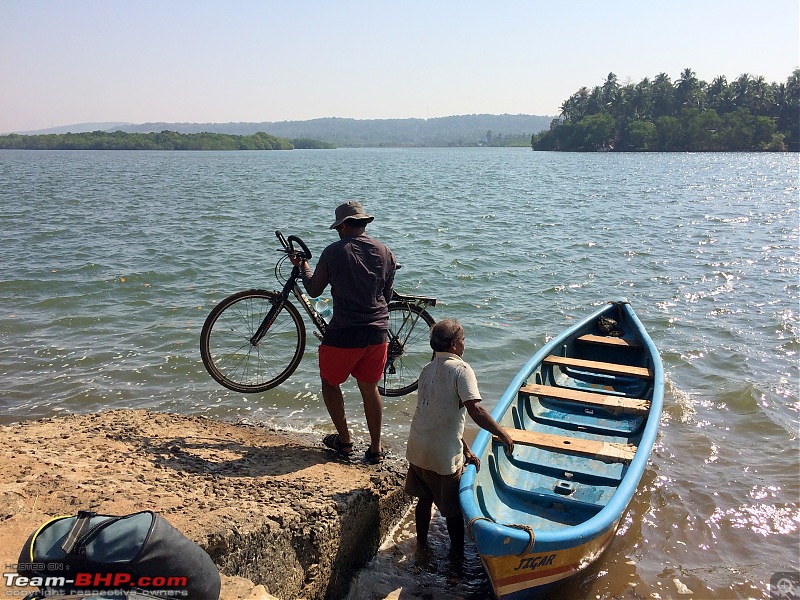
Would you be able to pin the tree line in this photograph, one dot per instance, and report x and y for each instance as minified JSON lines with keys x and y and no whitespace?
{"x":453,"y":131}
{"x":747,"y":114}
{"x":165,"y":140}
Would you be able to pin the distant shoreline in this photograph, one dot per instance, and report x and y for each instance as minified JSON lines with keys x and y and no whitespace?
{"x":456,"y":131}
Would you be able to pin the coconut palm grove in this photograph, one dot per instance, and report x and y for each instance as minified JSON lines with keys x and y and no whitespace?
{"x":747,"y":114}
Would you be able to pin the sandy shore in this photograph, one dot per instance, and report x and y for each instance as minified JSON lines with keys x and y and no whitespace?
{"x":279,"y":515}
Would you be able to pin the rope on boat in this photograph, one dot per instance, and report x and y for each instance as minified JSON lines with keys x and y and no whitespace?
{"x":469,"y":526}
{"x":527,"y":528}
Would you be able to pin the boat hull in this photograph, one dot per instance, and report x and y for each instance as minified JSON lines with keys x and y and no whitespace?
{"x":521,"y":576}
{"x":583,"y":413}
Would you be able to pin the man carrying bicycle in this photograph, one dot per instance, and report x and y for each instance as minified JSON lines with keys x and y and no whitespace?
{"x":360,"y":271}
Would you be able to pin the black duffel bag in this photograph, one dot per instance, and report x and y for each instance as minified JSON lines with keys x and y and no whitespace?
{"x":141,"y":552}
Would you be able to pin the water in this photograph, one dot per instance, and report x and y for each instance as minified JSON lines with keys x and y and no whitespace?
{"x":111,"y":261}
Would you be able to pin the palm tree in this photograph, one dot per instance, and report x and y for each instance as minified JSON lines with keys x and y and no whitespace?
{"x":574,"y":108}
{"x":641,"y":100}
{"x":793,"y":87}
{"x":762,"y":97}
{"x":610,"y":89}
{"x":663,"y":93}
{"x":719,"y":95}
{"x":594,"y":103}
{"x":789,"y":120}
{"x":687,"y":90}
{"x":743,"y":91}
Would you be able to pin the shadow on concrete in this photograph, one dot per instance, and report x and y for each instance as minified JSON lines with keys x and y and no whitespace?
{"x":225,"y":457}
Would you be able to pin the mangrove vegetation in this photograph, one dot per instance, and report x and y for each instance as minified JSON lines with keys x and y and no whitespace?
{"x":165,"y":140}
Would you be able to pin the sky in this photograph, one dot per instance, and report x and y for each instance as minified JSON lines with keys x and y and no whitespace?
{"x":65,"y":62}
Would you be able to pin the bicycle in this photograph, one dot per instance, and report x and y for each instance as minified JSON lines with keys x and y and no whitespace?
{"x":253,"y":340}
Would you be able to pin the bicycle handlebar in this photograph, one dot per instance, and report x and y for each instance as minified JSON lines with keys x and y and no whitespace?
{"x":288,"y":245}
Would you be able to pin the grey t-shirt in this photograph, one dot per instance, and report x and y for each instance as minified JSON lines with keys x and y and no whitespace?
{"x":360,"y":271}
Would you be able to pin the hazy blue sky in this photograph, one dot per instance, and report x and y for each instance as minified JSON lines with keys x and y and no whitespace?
{"x":74,"y":61}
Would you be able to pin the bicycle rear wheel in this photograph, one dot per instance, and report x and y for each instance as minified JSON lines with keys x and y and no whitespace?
{"x":233,"y":361}
{"x":409,"y":348}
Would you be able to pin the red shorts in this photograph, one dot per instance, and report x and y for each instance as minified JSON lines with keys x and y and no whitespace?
{"x":365,"y":364}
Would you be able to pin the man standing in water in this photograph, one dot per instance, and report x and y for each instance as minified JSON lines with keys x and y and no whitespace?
{"x":360,"y":271}
{"x":436,"y":451}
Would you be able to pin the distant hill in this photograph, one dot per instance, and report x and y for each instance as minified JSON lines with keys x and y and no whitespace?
{"x":76,"y":128}
{"x":465,"y":130}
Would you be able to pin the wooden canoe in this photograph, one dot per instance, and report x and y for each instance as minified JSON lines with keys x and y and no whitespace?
{"x":584,"y":413}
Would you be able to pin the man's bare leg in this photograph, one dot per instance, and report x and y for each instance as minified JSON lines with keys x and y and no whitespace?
{"x":373,"y":410}
{"x":422,"y":519}
{"x":334,"y":402}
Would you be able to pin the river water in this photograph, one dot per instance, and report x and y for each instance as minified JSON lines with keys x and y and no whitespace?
{"x":110,"y":262}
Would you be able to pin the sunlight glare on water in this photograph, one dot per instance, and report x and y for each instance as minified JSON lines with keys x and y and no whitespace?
{"x":112,"y":260}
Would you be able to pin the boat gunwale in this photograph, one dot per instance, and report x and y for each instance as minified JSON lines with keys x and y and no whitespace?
{"x":610,"y":514}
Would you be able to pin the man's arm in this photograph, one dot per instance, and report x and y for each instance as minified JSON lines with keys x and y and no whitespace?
{"x":316,"y":282}
{"x":485,"y":421}
{"x":389,"y":285}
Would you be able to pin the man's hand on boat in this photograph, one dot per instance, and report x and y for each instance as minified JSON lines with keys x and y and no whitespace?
{"x":485,"y":421}
{"x":471,"y":459}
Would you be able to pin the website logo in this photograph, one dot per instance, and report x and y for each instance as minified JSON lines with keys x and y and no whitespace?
{"x":785,"y":586}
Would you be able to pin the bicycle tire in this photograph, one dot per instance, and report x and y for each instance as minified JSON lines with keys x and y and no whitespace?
{"x":233,"y":361}
{"x":409,"y":349}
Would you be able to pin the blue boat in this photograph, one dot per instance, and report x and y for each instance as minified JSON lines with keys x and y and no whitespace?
{"x":583,"y":413}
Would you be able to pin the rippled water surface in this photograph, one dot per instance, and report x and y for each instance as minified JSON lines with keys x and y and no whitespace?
{"x":110,"y":262}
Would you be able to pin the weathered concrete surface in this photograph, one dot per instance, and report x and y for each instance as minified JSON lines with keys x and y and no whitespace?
{"x":271,"y":508}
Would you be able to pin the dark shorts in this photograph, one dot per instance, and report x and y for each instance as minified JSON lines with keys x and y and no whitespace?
{"x":442,"y":490}
{"x":365,"y":364}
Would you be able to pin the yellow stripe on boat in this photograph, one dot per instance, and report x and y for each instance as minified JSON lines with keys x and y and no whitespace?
{"x":510,"y":574}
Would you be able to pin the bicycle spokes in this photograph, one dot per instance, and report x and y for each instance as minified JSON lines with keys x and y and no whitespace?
{"x":409,"y":348}
{"x":245,"y":361}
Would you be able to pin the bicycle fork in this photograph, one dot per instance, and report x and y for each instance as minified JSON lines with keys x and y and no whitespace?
{"x":277,"y":305}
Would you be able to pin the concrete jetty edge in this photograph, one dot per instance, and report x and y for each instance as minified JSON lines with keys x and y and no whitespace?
{"x":280,"y":515}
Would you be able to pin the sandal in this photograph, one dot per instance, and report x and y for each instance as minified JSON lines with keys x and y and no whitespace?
{"x":334,"y":442}
{"x":374,"y":458}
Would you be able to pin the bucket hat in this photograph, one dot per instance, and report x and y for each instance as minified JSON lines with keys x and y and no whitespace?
{"x":350,"y":210}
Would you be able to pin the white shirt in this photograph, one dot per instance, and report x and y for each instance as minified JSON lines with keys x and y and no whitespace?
{"x":434,"y":442}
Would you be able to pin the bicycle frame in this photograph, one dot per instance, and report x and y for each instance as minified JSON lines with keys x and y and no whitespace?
{"x":400,"y":333}
{"x":291,"y":286}
{"x":320,"y":323}
{"x":230,"y":357}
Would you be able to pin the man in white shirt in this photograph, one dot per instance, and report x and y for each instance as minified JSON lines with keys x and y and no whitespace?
{"x":436,"y":450}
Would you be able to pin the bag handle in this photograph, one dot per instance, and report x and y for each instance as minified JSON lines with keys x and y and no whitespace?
{"x":81,"y":531}
{"x":79,"y":527}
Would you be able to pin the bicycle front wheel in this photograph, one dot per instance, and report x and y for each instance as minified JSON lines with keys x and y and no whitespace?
{"x":409,"y":348}
{"x":229,"y":356}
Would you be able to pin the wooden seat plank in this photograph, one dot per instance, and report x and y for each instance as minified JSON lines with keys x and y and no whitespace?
{"x":614,"y":404}
{"x":607,"y":451}
{"x":609,"y":341}
{"x":600,"y":367}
